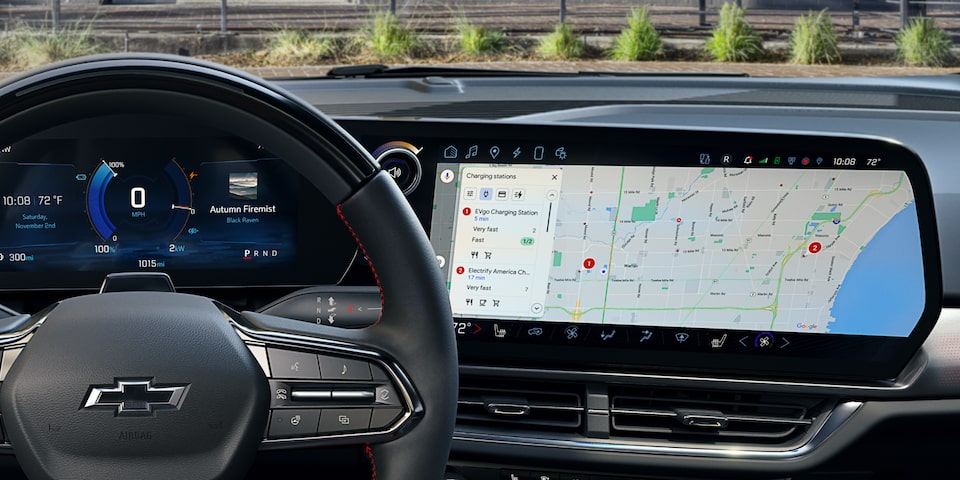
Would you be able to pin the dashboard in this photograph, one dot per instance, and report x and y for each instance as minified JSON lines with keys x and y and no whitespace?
{"x":671,"y":250}
{"x":684,"y":279}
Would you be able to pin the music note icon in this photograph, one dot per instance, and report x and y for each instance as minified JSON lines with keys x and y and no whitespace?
{"x":473,"y":152}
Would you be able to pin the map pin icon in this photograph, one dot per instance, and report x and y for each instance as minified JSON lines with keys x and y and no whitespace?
{"x":494,"y":151}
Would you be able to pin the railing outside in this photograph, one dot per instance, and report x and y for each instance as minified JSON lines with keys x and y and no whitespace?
{"x":680,"y":17}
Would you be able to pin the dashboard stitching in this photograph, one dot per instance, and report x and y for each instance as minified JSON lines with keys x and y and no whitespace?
{"x":363,"y":250}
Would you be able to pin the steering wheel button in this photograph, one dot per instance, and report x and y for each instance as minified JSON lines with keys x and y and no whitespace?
{"x":293,"y":423}
{"x":336,"y":368}
{"x":386,"y":395}
{"x":384,"y":417}
{"x":280,"y":393}
{"x":289,"y":364}
{"x":343,"y":420}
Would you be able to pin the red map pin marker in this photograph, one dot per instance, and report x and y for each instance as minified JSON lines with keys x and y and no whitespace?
{"x":589,"y":263}
{"x":460,"y":270}
{"x":815,"y":247}
{"x":466,"y":210}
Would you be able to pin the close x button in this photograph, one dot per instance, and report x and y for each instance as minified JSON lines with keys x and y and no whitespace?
{"x":336,"y":368}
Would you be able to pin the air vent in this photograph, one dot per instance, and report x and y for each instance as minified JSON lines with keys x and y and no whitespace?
{"x":522,"y":405}
{"x":708,"y":416}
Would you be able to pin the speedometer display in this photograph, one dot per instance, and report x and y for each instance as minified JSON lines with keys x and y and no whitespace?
{"x":145,"y":204}
{"x":137,"y":217}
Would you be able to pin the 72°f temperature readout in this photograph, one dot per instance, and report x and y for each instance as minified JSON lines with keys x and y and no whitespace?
{"x":31,"y":200}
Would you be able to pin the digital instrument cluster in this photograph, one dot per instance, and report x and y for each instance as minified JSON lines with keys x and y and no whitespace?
{"x":73,"y":209}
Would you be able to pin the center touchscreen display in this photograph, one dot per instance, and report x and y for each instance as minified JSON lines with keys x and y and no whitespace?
{"x":744,"y":253}
{"x":731,"y":248}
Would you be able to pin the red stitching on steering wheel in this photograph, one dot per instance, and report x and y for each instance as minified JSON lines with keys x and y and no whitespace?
{"x":373,"y":463}
{"x":372,"y":269}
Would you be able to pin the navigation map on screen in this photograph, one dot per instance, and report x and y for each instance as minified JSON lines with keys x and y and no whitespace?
{"x":778,"y":249}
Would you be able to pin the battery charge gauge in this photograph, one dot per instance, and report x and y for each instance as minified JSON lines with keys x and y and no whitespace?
{"x":149,"y":201}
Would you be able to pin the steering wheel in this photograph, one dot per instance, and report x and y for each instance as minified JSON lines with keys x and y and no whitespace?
{"x":158,"y":385}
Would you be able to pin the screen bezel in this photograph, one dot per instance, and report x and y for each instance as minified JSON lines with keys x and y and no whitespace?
{"x":888,"y":355}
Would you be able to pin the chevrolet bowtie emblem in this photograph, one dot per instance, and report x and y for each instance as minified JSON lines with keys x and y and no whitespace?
{"x":135,"y":397}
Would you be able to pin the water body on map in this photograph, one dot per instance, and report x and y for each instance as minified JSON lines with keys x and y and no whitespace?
{"x":883,"y":292}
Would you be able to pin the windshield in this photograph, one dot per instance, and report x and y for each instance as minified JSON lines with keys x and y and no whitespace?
{"x":282,"y":38}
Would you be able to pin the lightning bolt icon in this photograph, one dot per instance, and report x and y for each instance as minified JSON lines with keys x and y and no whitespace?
{"x":516,"y":153}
